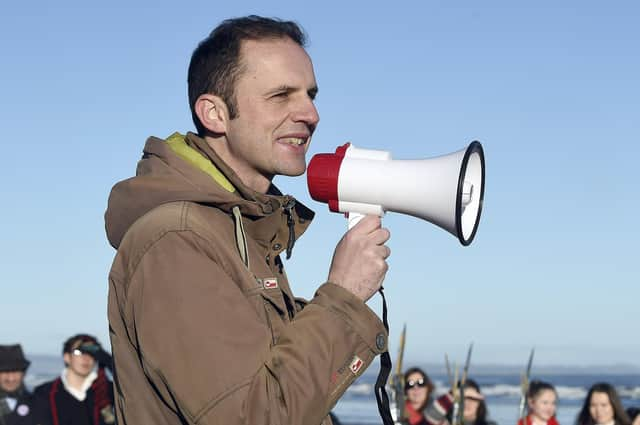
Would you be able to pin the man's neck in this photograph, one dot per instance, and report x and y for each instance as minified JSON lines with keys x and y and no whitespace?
{"x":249,"y":177}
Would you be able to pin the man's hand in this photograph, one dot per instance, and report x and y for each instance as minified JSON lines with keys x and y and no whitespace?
{"x":359,"y":261}
{"x":96,"y":351}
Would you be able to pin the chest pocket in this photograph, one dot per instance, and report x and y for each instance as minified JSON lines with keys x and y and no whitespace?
{"x":278,"y":311}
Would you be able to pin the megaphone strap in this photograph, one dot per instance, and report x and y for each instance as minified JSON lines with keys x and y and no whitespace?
{"x":382,"y":398}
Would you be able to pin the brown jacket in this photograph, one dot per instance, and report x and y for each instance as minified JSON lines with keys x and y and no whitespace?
{"x":204,"y":326}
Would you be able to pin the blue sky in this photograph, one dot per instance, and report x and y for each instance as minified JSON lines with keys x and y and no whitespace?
{"x":551,"y":90}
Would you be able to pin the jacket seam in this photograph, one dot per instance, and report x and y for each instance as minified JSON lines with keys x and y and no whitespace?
{"x":210,"y":405}
{"x":152,"y":241}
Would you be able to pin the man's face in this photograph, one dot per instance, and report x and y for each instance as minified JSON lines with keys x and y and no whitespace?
{"x":79,"y":362}
{"x":276,"y":115}
{"x":11,"y":381}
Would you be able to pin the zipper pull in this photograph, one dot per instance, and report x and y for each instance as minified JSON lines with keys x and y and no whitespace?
{"x":288,"y":206}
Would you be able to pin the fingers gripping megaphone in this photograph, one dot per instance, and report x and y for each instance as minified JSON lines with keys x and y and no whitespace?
{"x":447,"y":190}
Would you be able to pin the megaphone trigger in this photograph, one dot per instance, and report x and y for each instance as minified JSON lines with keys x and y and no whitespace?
{"x":353,"y":218}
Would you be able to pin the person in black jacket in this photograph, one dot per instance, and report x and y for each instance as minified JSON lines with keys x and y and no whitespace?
{"x":82,"y":395}
{"x":16,"y":403}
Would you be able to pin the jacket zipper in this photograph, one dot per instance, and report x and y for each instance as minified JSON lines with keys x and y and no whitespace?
{"x":288,"y":207}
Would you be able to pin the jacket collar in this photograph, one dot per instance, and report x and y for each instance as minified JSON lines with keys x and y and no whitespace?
{"x":268,"y":224}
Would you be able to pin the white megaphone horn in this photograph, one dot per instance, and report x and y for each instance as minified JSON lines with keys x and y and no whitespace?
{"x":446,"y":190}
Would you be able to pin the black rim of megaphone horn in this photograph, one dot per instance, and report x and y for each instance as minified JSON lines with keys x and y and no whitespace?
{"x":474,"y":147}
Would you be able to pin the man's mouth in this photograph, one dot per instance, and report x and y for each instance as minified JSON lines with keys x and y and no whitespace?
{"x":296,"y":141}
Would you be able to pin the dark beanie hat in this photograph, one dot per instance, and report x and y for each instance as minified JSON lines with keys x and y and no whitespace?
{"x":12,"y":358}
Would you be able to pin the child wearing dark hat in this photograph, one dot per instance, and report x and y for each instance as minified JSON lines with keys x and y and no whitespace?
{"x":16,"y":403}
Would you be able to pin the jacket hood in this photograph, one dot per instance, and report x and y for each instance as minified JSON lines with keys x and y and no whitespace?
{"x":185,"y":168}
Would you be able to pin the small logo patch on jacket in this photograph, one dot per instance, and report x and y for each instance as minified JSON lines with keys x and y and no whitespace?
{"x":356,"y":365}
{"x":270,"y":283}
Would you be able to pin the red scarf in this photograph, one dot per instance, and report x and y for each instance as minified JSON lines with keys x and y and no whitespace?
{"x":552,"y":421}
{"x":413,"y":415}
{"x":101,"y":399}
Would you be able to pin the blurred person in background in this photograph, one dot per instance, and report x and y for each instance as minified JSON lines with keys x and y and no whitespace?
{"x":16,"y":403}
{"x":418,"y":389}
{"x":541,"y":402}
{"x":602,"y":406}
{"x":474,"y":412}
{"x":82,"y":394}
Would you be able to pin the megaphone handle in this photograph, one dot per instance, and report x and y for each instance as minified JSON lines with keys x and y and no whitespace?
{"x":353,"y":218}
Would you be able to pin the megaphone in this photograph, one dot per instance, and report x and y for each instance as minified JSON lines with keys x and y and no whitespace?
{"x":447,"y":190}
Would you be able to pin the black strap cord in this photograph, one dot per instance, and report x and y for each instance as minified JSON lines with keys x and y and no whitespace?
{"x":385,"y":368}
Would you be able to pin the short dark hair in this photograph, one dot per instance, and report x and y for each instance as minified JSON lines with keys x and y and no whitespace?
{"x":68,"y":345}
{"x":536,"y":387}
{"x":215,"y":64}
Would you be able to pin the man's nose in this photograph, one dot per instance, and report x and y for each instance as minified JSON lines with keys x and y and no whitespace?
{"x":306,"y":111}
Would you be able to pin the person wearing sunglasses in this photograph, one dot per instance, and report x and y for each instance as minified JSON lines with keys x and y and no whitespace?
{"x":82,"y":394}
{"x":417,"y":394}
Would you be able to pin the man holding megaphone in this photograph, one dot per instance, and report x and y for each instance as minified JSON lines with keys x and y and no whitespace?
{"x":204,"y":326}
{"x":447,"y":191}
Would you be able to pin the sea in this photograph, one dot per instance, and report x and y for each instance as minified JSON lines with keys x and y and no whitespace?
{"x":501,"y":389}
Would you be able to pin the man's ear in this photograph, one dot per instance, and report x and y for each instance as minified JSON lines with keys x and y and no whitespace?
{"x":67,"y":358}
{"x":212,"y":112}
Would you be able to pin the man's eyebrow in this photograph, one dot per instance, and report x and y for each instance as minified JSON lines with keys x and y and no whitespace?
{"x":279,"y":89}
{"x":282,"y":87}
{"x":311,"y":92}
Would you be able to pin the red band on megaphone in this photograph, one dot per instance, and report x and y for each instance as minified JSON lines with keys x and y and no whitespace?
{"x":322,"y":176}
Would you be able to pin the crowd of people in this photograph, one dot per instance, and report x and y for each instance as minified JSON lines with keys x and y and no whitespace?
{"x":81,"y":395}
{"x":601,"y":406}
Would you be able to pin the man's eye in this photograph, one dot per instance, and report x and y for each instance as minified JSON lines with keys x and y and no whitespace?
{"x":281,"y":94}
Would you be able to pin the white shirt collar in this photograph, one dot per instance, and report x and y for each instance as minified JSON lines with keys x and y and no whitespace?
{"x":11,"y":402}
{"x":80,"y":394}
